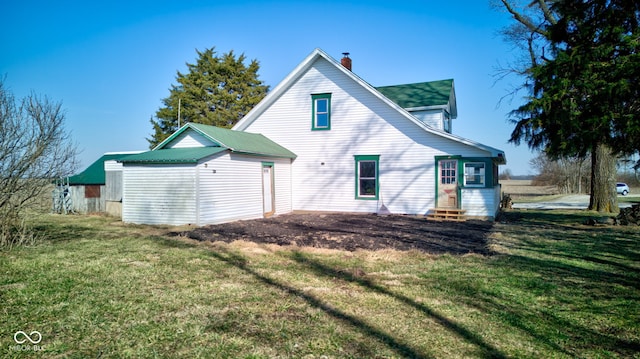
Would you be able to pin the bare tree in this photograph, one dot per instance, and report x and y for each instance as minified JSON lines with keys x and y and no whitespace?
{"x":567,"y":174}
{"x":34,"y":149}
{"x":505,"y":175}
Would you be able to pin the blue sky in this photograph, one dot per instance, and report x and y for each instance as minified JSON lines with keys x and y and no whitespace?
{"x":111,"y":63}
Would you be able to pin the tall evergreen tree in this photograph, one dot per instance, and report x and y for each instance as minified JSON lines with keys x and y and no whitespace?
{"x":584,"y":92}
{"x":216,"y":90}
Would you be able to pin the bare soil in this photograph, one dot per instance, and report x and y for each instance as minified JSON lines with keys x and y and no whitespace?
{"x":350,"y":232}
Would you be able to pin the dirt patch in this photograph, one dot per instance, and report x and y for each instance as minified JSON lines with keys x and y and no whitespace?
{"x":351,"y":232}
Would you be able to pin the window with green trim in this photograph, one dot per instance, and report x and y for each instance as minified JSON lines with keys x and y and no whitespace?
{"x":367,"y":176}
{"x":321,"y":112}
{"x":474,"y":174}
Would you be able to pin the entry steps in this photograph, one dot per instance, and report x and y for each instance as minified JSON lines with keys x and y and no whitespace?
{"x":447,"y":214}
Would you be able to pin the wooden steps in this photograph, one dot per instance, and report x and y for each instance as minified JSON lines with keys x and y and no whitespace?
{"x":447,"y":214}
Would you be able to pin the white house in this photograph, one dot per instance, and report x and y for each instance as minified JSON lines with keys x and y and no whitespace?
{"x":321,"y":140}
{"x":358,"y":149}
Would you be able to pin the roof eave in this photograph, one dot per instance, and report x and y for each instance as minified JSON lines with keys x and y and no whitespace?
{"x":188,"y":159}
{"x":501,"y":159}
{"x":423,"y":108}
{"x":253,"y":153}
{"x":159,"y":162}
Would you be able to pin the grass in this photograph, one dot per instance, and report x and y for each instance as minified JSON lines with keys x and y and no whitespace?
{"x":96,"y":288}
{"x":630,"y":198}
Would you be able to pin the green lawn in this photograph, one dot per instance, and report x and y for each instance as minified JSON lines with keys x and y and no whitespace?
{"x":96,"y":288}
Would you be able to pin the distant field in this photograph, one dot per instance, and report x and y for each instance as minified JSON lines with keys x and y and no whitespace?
{"x":524,"y":188}
{"x":519,"y":189}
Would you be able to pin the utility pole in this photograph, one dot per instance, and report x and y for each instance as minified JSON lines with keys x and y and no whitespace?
{"x":178,"y":112}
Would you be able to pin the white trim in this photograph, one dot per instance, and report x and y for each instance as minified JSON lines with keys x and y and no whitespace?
{"x":422,"y":108}
{"x":123,"y":153}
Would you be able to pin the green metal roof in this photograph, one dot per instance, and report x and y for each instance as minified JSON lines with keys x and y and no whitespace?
{"x":236,"y":141}
{"x":423,"y":94}
{"x":224,"y":140}
{"x":173,"y":155}
{"x":94,"y":174}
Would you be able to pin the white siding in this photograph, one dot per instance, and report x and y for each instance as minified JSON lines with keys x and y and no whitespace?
{"x":113,"y":186}
{"x":231,"y":188}
{"x":113,"y":181}
{"x":323,"y":175}
{"x":282,"y":178}
{"x":159,"y":194}
{"x":190,"y":138}
{"x":481,"y":202}
{"x":224,"y":188}
{"x":433,"y":118}
{"x":112,"y":165}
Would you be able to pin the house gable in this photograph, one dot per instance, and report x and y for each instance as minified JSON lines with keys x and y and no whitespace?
{"x":309,"y":65}
{"x":192,"y":136}
{"x":433,"y":103}
{"x":423,"y":95}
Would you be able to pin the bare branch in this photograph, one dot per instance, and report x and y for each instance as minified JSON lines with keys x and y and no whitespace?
{"x":523,"y":19}
{"x":548,"y":15}
{"x":532,"y":52}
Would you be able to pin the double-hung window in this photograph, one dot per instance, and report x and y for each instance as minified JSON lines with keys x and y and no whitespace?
{"x":367,"y":177}
{"x":321,"y":111}
{"x":474,"y":174}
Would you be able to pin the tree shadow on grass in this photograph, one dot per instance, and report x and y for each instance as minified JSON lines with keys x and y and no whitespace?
{"x":54,"y":233}
{"x":488,"y":350}
{"x":609,"y":249}
{"x":400,"y":347}
{"x":370,"y":232}
{"x":582,"y":271}
{"x":573,"y":294}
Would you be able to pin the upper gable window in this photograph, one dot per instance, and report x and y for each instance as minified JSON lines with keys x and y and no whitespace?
{"x":321,"y":111}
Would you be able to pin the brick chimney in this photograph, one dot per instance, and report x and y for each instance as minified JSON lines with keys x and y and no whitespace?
{"x":346,"y":61}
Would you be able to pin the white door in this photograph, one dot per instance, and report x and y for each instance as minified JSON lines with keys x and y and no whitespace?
{"x":267,"y":189}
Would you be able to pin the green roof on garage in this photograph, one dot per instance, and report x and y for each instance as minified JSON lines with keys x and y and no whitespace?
{"x":236,"y":141}
{"x":94,"y":174}
{"x":173,"y":155}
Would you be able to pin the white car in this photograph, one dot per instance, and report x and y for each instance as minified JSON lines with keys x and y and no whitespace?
{"x":622,"y":188}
